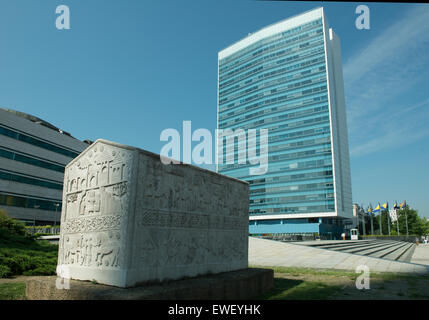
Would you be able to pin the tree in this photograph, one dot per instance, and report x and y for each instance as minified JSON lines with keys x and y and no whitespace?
{"x":376,"y":224}
{"x":416,"y":225}
{"x":7,"y":224}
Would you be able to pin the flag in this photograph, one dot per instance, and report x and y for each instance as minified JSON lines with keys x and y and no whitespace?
{"x":377,"y":208}
{"x":395,"y":206}
{"x":402,"y":205}
{"x":385,"y":206}
{"x":369,"y":210}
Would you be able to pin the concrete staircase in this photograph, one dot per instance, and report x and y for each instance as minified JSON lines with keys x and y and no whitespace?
{"x":385,"y":249}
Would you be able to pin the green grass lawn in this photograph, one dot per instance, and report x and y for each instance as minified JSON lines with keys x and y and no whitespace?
{"x":12,"y":291}
{"x":311,"y":284}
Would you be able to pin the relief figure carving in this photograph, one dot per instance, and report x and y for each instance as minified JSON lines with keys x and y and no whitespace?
{"x":91,"y":250}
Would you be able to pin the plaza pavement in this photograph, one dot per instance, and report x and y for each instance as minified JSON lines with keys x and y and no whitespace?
{"x":421,"y":254}
{"x":264,"y":252}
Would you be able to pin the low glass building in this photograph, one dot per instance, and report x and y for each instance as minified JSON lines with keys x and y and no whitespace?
{"x":287,"y":78}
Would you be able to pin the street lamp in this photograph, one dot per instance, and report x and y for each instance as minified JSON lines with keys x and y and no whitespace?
{"x":36,"y":206}
{"x":55,"y":219}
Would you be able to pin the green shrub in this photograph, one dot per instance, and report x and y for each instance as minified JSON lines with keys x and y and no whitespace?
{"x":39,"y":234}
{"x":28,"y":262}
{"x":47,"y":270}
{"x":21,"y":253}
{"x":11,"y":225}
{"x":4,"y":271}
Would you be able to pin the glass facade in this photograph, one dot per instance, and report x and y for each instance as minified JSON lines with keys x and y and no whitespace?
{"x":8,"y":154}
{"x":28,"y":202}
{"x":280,"y":83}
{"x":36,"y":142}
{"x":13,"y":176}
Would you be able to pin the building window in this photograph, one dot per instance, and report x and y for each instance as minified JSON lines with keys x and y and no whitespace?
{"x":28,"y":180}
{"x":26,"y":202}
{"x":30,"y":160}
{"x":36,"y":142}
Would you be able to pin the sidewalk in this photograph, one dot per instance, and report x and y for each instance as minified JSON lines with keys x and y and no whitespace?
{"x":421,"y":254}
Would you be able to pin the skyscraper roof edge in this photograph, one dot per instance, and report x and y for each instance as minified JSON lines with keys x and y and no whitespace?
{"x":271,"y":29}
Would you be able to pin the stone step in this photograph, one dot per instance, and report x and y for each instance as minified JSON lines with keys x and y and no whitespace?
{"x":363,"y":247}
{"x":402,"y":254}
{"x":407,"y":256}
{"x":387,"y":249}
{"x":339,"y":242}
{"x":392,"y":251}
{"x":340,"y":245}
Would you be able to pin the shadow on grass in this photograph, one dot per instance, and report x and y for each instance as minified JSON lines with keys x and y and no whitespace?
{"x":290,"y":289}
{"x":280,"y":285}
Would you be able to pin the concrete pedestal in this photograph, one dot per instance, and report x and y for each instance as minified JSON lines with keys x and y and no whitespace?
{"x":241,"y":284}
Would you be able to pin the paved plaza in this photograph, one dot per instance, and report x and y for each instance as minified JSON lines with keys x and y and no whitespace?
{"x":421,"y":255}
{"x":274,"y":253}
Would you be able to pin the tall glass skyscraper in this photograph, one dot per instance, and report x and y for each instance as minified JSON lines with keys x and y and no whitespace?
{"x":287,"y":78}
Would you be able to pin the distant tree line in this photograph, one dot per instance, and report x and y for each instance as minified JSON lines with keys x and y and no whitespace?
{"x":417,"y":226}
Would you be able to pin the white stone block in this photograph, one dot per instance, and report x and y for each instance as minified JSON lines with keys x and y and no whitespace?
{"x":129,"y":219}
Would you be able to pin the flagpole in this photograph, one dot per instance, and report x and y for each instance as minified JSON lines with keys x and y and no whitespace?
{"x":381,"y":232}
{"x":379,"y":213}
{"x":406,"y":220}
{"x":388,"y":217}
{"x":397,"y":222}
{"x":363,"y":221}
{"x":397,"y":217}
{"x":371,"y":216}
{"x":357,"y":221}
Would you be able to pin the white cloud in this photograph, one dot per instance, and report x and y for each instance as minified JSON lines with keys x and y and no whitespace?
{"x":383,"y":73}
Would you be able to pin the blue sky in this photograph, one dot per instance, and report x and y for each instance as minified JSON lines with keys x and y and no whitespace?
{"x":129,"y":69}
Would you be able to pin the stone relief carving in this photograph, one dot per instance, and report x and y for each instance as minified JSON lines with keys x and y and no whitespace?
{"x":90,"y":202}
{"x":178,"y":216}
{"x":97,"y":198}
{"x":90,"y":224}
{"x":159,"y":248}
{"x":187,"y":191}
{"x":92,"y":250}
{"x":158,"y":218}
{"x":97,"y":183}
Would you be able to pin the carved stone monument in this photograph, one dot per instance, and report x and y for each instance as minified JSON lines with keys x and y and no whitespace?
{"x":129,"y":219}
